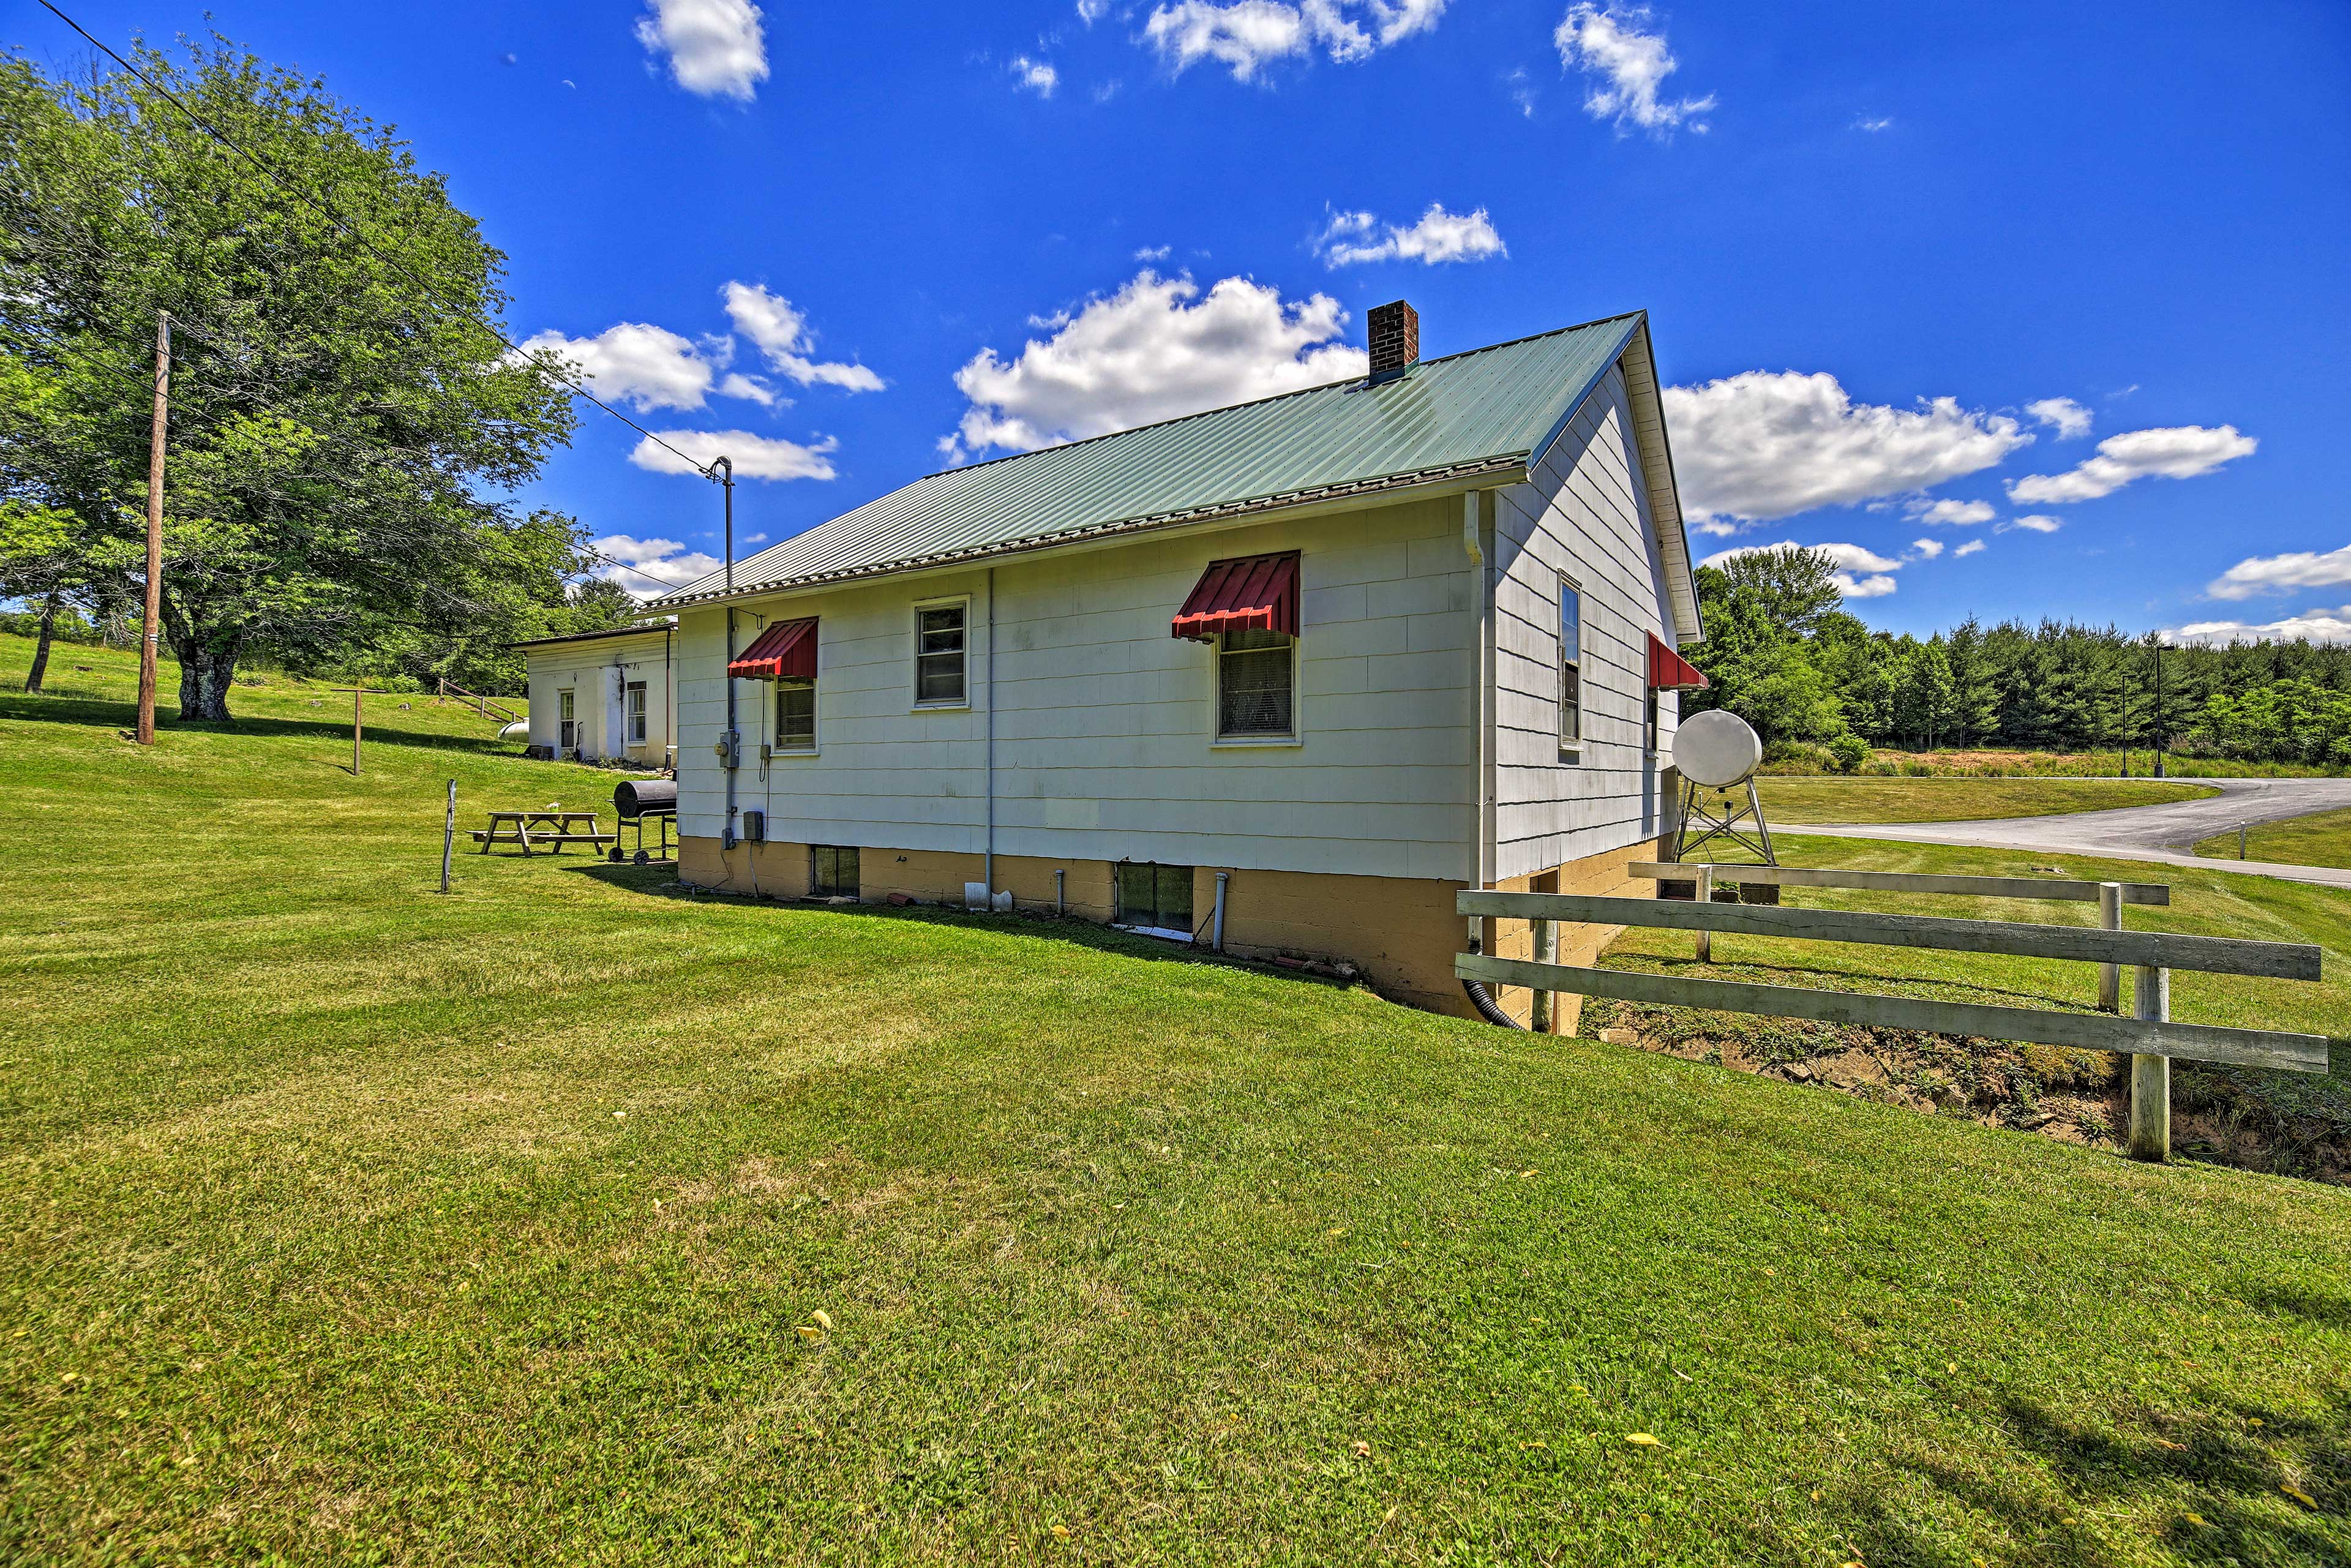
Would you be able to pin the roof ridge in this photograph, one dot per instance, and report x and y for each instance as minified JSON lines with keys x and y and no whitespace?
{"x":1270,"y":397}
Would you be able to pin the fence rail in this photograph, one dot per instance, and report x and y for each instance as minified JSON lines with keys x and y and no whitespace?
{"x":2057,"y":889}
{"x":2163,"y":949}
{"x":2082,"y":1031}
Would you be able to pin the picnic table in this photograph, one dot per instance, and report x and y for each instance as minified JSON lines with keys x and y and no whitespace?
{"x":543,"y":828}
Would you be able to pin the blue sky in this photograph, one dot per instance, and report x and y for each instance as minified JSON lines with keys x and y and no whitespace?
{"x":1909,"y":267}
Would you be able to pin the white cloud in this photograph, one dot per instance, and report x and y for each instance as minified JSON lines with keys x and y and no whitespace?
{"x":2039,"y":523}
{"x":2062,"y":414}
{"x":633,"y":362}
{"x":1438,"y":236}
{"x":1152,"y":253}
{"x":1928,"y":549}
{"x":736,"y":384}
{"x":2181,"y":452}
{"x":1872,"y":123}
{"x":1956,"y":514}
{"x":1861,"y":573}
{"x":1628,"y":65}
{"x":1036,"y":76}
{"x":1245,"y":35}
{"x":717,"y":49}
{"x":2277,"y":573}
{"x":2318,"y":626}
{"x":1521,"y":90}
{"x":1092,"y":11}
{"x":1145,"y":354}
{"x":781,"y":332}
{"x":1970,"y":547}
{"x":662,"y":565}
{"x":755,"y":457}
{"x":1763,"y":444}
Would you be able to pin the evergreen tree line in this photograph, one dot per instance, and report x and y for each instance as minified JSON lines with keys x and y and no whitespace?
{"x":1782,"y":653}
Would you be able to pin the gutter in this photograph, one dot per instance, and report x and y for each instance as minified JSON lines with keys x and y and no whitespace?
{"x":1502,"y":468}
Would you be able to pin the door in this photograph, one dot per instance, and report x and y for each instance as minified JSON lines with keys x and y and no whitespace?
{"x":567,"y":724}
{"x":611,"y":739}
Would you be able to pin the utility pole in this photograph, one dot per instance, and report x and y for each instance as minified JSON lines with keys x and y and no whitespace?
{"x":155,"y":528}
{"x":356,"y":689}
{"x":2159,"y":736}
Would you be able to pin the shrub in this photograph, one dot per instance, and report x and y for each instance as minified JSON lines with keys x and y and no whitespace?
{"x":1848,"y":752}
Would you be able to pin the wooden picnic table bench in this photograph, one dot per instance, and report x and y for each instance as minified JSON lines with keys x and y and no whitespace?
{"x":542,"y":828}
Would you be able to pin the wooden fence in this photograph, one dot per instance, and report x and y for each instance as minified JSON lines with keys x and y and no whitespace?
{"x":2150,"y":1037}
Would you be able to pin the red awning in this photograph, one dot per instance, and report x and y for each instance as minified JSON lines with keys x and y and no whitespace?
{"x":1669,"y":672}
{"x":785,"y":650}
{"x":1254,"y":593}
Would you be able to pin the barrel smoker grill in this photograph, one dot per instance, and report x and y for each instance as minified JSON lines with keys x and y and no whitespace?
{"x":643,"y":800}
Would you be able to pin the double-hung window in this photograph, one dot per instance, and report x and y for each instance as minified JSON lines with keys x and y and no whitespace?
{"x":942,"y":656}
{"x":1571,"y":665}
{"x":567,"y":722}
{"x":1257,"y":685}
{"x":636,"y":713}
{"x":795,"y":715}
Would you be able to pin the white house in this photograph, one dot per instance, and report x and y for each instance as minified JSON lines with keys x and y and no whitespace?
{"x":606,"y":697}
{"x":1312,"y":664}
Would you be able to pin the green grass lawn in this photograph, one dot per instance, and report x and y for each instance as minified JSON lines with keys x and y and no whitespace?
{"x":2323,"y":838}
{"x":356,"y":1224}
{"x":1956,"y":799}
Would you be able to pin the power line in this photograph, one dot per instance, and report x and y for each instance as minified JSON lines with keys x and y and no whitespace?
{"x":707,"y":470}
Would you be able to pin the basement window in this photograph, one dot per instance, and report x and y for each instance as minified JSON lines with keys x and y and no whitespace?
{"x":1155,"y":899}
{"x":1257,"y":685}
{"x":795,"y":715}
{"x":833,"y":870}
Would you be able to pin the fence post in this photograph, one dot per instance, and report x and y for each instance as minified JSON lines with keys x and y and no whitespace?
{"x":449,"y":835}
{"x":2151,"y":1092}
{"x":2110,"y":976}
{"x":2240,"y":840}
{"x":1546,"y":938}
{"x":1706,"y":895}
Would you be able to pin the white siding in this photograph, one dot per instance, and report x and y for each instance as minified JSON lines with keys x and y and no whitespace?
{"x":594,"y":672}
{"x":1584,"y":512}
{"x":1104,"y":746}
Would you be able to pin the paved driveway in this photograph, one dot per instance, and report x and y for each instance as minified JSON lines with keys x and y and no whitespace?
{"x":2166,"y":833}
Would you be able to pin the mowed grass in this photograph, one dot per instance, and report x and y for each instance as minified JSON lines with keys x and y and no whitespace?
{"x":2323,"y":838}
{"x":1956,"y":799}
{"x":358,"y":1224}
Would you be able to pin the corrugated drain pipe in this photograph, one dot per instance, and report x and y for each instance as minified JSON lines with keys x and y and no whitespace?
{"x":1488,"y":1008}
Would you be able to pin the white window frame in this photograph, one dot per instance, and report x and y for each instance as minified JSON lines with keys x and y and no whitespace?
{"x":636,"y":711}
{"x":1571,"y":714}
{"x":776,"y":728}
{"x":1295,"y":736}
{"x":915,"y":662}
{"x":567,"y":720}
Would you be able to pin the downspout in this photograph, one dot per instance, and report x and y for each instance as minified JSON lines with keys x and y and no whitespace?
{"x":669,"y":705}
{"x":988,"y":871}
{"x":1476,"y":542}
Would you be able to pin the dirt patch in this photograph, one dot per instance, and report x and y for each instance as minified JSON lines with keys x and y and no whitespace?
{"x":2080,"y":1097}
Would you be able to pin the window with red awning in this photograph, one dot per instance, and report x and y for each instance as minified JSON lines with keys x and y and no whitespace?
{"x":1253,"y":593}
{"x":1669,"y":672}
{"x":785,"y":650}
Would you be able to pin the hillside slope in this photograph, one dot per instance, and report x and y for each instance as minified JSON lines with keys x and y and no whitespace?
{"x":358,"y":1224}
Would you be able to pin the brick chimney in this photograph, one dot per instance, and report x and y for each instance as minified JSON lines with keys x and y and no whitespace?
{"x":1396,"y":340}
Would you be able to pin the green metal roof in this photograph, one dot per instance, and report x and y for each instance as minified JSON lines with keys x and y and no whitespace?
{"x":1484,"y":412}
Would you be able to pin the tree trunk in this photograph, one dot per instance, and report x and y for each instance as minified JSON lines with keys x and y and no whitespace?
{"x":206,"y":674}
{"x":41,"y":649}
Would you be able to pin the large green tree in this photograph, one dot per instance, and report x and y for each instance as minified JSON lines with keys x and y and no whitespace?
{"x":345,"y":416}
